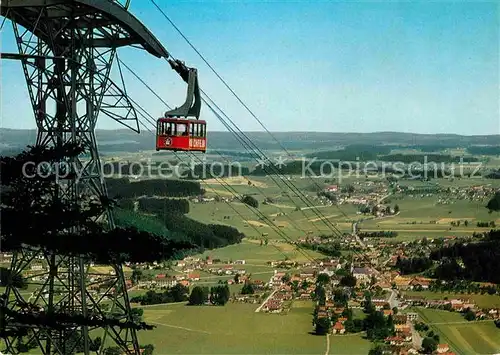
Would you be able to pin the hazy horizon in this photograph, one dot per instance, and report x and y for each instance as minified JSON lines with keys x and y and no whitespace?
{"x":413,"y":67}
{"x":118,"y":129}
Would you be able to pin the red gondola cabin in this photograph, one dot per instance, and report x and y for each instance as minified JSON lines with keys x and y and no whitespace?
{"x":179,"y":134}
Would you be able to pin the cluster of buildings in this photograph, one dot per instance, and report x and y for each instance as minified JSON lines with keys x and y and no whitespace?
{"x":453,"y":305}
{"x":283,"y":291}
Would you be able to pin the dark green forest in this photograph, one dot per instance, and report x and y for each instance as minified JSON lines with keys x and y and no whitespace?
{"x":123,"y":188}
{"x":167,"y":216}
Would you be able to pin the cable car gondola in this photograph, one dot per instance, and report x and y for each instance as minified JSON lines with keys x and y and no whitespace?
{"x":176,"y":131}
{"x":181,"y":135}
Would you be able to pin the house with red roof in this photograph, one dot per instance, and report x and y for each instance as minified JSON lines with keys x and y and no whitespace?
{"x":338,"y":328}
{"x":442,"y":348}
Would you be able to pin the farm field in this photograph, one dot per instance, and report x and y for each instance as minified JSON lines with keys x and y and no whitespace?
{"x":483,"y":301}
{"x":419,"y":216}
{"x":232,"y":329}
{"x":423,"y":217}
{"x":258,"y":255}
{"x":282,"y":216}
{"x":463,"y":337}
{"x":352,"y":344}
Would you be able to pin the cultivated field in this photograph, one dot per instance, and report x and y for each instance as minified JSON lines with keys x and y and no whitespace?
{"x":255,"y":254}
{"x":232,"y":329}
{"x":424,"y":217}
{"x":465,"y":338}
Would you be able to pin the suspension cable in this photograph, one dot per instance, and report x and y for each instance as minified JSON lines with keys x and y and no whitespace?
{"x":229,"y":188}
{"x":232,"y":91}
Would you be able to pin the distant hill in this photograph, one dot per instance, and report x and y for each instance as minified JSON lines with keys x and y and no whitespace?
{"x":128,"y":141}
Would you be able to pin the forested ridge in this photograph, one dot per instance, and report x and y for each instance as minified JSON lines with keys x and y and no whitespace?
{"x":475,"y":260}
{"x":167,"y":216}
{"x":123,"y":188}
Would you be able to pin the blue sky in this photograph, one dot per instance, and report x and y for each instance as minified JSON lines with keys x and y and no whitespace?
{"x":422,"y":67}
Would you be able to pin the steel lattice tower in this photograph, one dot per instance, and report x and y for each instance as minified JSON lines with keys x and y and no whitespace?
{"x":67,"y":49}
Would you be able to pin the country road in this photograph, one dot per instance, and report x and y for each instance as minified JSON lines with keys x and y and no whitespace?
{"x":393,"y":301}
{"x":265,"y":301}
{"x":416,"y":338}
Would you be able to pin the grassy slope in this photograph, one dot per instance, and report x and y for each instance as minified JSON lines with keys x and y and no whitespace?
{"x":233,"y":329}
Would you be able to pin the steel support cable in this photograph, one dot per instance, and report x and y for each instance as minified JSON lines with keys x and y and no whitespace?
{"x":256,"y":147}
{"x":364,"y":256}
{"x":231,"y":190}
{"x":243,"y":143}
{"x":262,"y":216}
{"x":235,"y":194}
{"x":231,"y":90}
{"x":290,"y":185}
{"x":246,"y":146}
{"x":227,"y":187}
{"x":229,"y":128}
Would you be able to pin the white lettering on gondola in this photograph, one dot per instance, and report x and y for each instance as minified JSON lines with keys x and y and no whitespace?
{"x":196,"y":143}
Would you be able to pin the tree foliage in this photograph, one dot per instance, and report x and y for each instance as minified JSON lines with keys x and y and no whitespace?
{"x":250,"y":200}
{"x":177,"y":293}
{"x":322,"y":325}
{"x":348,"y":281}
{"x":199,"y":295}
{"x":476,"y":261}
{"x":329,"y":249}
{"x":413,"y":265}
{"x":123,"y":188}
{"x":494,"y":203}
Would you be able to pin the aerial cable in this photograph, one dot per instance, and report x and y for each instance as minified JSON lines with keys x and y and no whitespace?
{"x":258,"y":213}
{"x":231,"y":90}
{"x":224,"y":123}
{"x":215,"y":192}
{"x":245,"y":145}
{"x":290,"y":185}
{"x":227,"y":187}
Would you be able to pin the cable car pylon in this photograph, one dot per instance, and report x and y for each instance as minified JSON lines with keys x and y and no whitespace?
{"x":67,"y":49}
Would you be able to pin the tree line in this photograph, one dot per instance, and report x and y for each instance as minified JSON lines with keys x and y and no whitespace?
{"x":476,"y":261}
{"x":379,"y":234}
{"x":413,"y":265}
{"x":177,"y":293}
{"x":162,"y":206}
{"x":123,"y":188}
{"x":217,"y":295}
